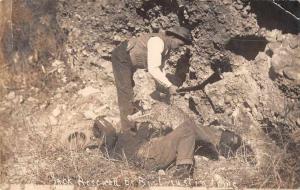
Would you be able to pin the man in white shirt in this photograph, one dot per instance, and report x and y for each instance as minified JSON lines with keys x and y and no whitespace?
{"x":148,"y":51}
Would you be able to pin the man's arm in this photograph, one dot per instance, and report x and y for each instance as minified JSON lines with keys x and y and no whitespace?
{"x":155,"y":48}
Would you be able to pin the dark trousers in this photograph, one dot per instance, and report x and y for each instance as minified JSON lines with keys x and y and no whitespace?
{"x":176,"y":146}
{"x":123,"y":73}
{"x":159,"y":153}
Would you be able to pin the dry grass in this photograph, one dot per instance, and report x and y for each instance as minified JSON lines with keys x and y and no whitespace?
{"x":36,"y":159}
{"x":241,"y":171}
{"x":41,"y":162}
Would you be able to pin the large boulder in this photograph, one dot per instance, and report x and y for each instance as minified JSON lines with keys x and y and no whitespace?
{"x":236,"y":88}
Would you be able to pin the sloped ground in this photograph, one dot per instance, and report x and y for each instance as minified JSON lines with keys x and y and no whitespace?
{"x":258,"y":97}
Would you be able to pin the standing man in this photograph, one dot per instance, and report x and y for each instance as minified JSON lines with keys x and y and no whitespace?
{"x":148,"y":51}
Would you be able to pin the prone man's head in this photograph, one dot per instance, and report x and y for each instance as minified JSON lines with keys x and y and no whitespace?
{"x":229,"y":143}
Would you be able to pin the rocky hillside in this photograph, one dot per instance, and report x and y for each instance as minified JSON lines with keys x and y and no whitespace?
{"x":56,"y":78}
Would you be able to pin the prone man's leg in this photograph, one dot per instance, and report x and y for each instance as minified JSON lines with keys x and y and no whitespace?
{"x":186,"y":144}
{"x":177,"y":146}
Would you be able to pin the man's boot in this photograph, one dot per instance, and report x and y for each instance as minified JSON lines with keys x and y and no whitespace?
{"x":105,"y":132}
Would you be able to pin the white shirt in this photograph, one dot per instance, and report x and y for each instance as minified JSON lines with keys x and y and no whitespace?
{"x":155,"y":46}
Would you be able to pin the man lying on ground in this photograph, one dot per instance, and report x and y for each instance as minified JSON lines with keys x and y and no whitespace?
{"x":153,"y":151}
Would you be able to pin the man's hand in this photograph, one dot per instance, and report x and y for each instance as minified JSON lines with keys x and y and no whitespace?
{"x":172,"y":90}
{"x":135,"y":116}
